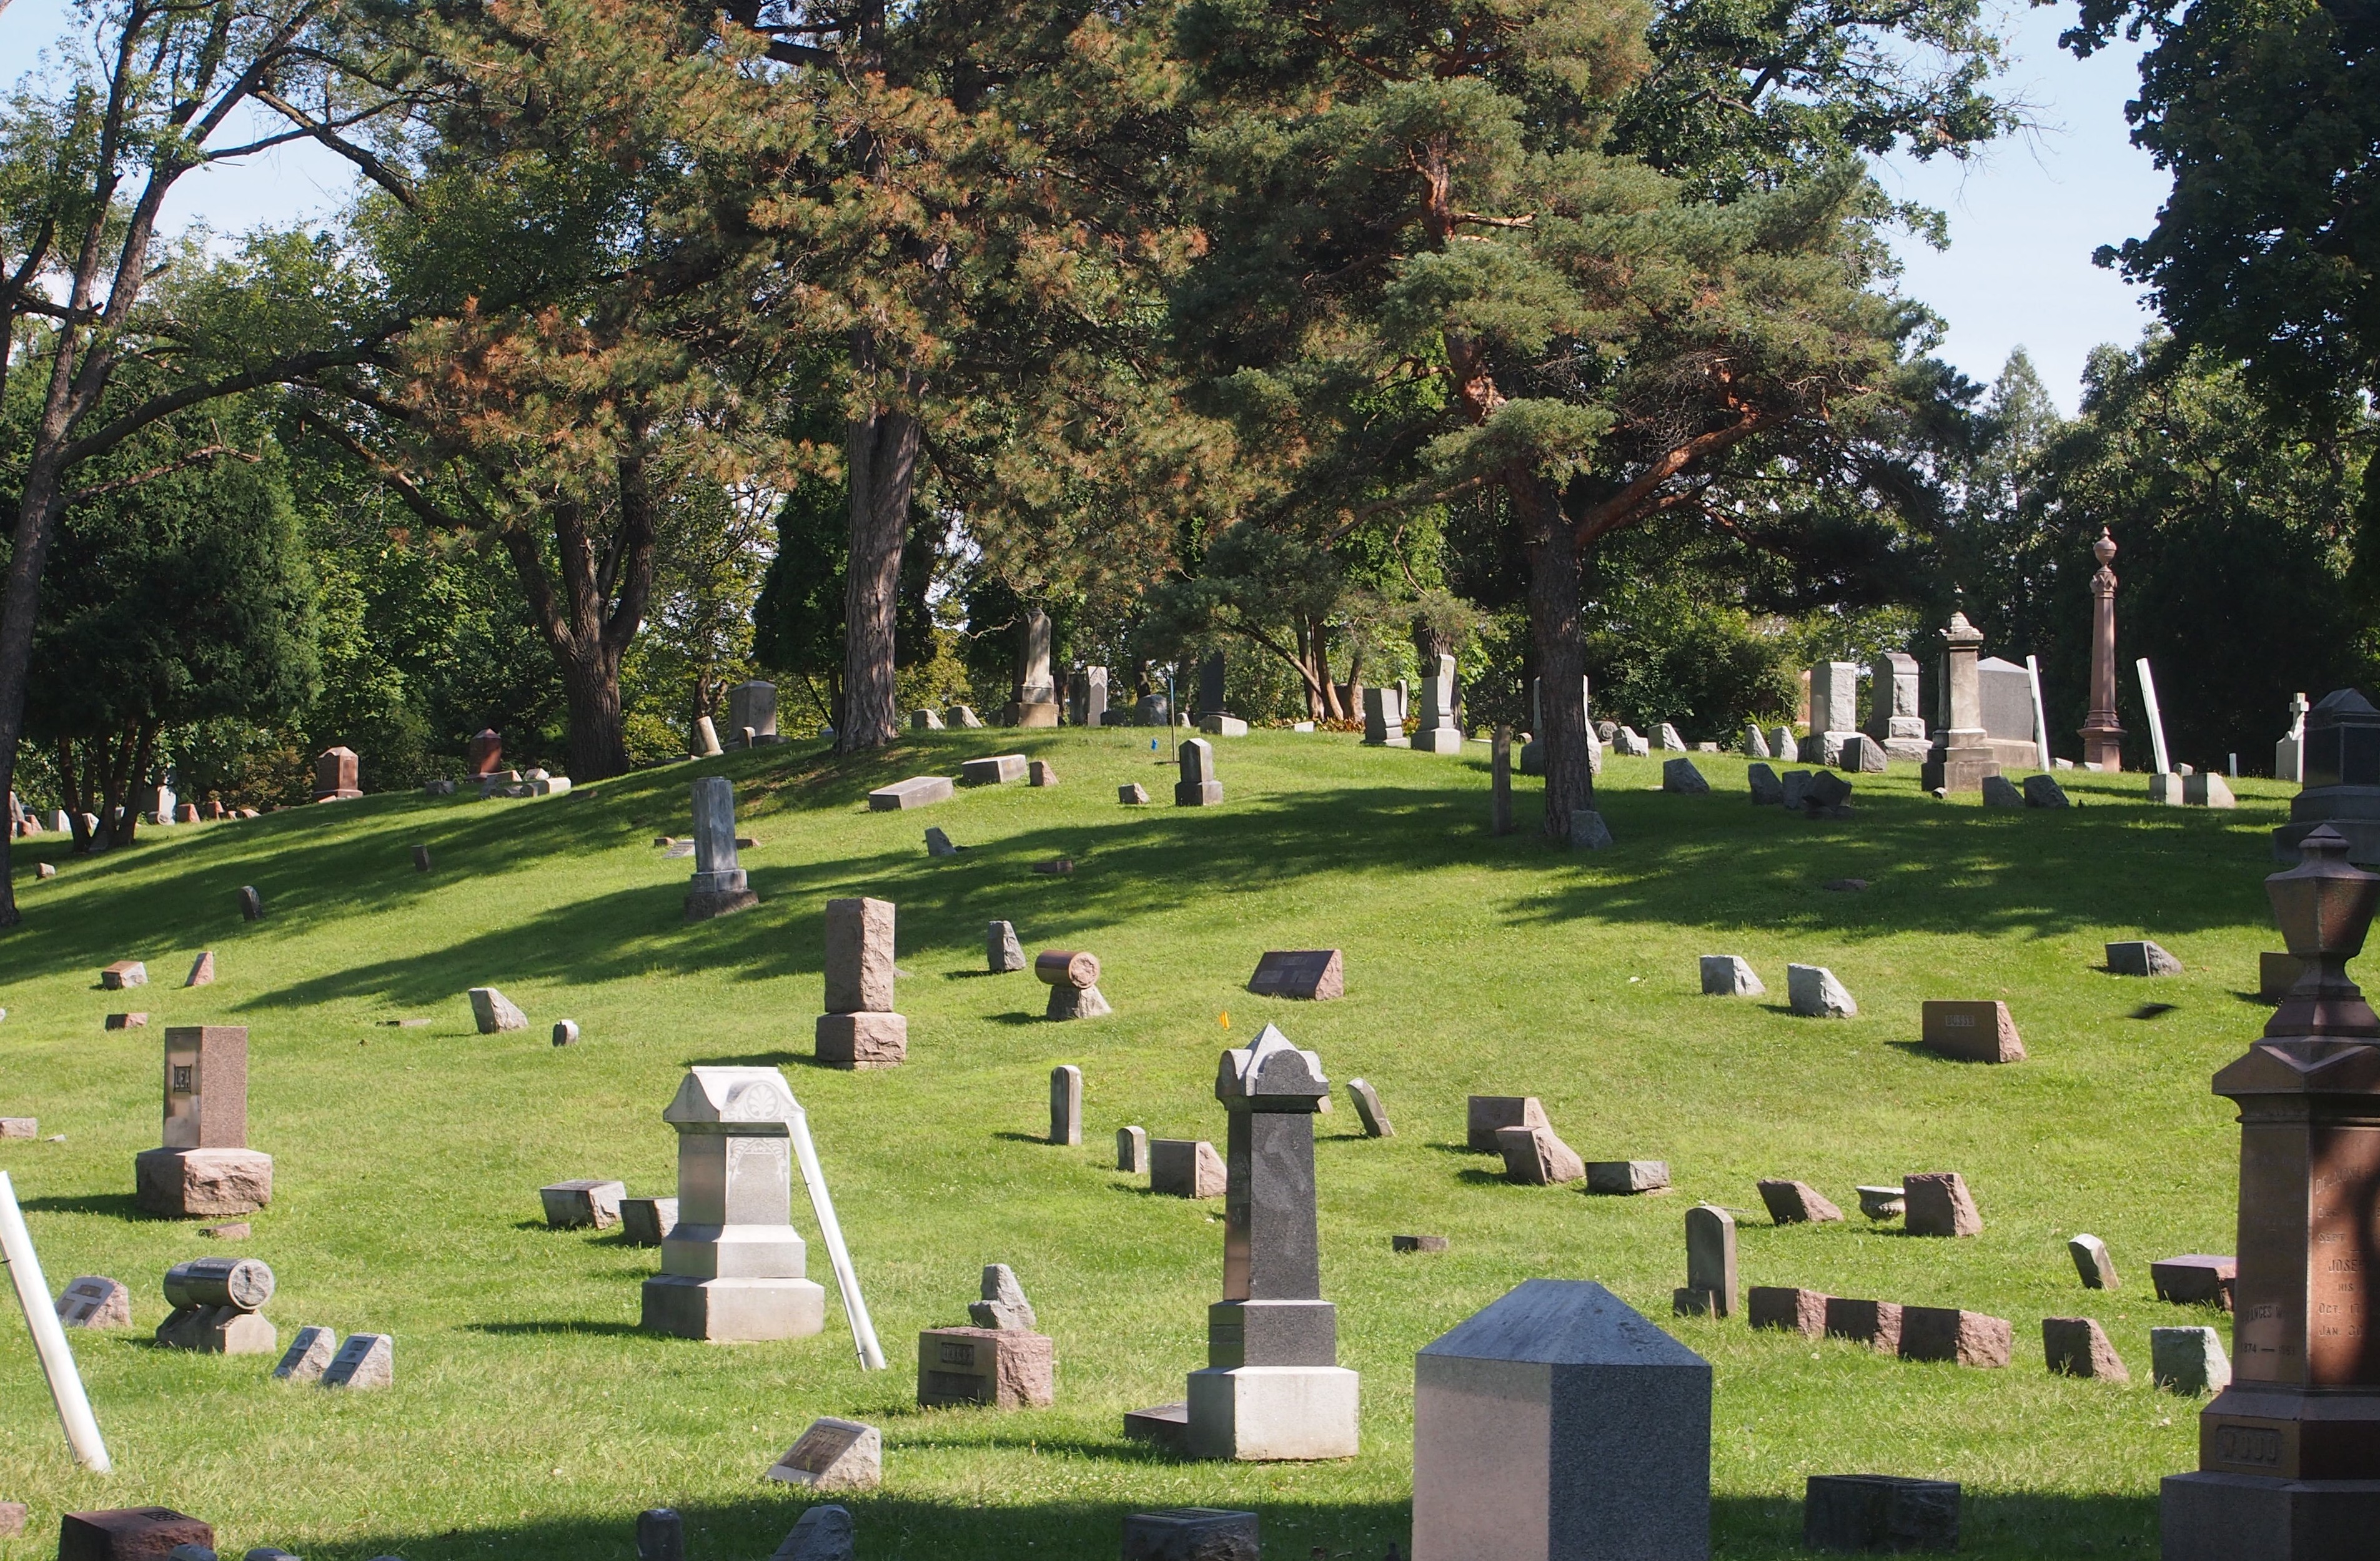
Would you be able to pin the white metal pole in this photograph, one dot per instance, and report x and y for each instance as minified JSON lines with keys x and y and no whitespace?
{"x":49,"y":1339}
{"x":2040,"y":721}
{"x":2157,"y":721}
{"x":863,"y":1331}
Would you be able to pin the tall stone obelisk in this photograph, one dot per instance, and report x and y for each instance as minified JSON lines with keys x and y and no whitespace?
{"x":2288,"y":1455}
{"x":2103,"y":740}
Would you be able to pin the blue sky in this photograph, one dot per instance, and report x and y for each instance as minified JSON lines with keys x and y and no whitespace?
{"x":2024,"y":216}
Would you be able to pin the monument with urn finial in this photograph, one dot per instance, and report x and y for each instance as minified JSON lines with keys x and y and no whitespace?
{"x":2288,"y":1455}
{"x":2102,"y":739}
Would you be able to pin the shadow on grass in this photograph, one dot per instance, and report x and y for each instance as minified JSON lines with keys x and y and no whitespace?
{"x":116,"y":1205}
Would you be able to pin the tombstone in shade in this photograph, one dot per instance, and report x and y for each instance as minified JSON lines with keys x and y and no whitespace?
{"x":2289,"y":753}
{"x":1834,"y":710}
{"x":997,"y":1359}
{"x":1197,"y":787}
{"x":733,"y":1267}
{"x":334,"y":776}
{"x":1533,"y":752}
{"x":1034,"y":701}
{"x":1436,"y":732}
{"x":752,"y":712}
{"x":132,"y":1533}
{"x":2005,"y":691}
{"x":2291,"y":1449}
{"x":923,"y":720}
{"x":1971,"y":1031}
{"x":1879,"y":1512}
{"x":1210,"y":694}
{"x":1086,"y":697}
{"x":484,"y":755}
{"x":1153,"y":709}
{"x":1960,"y":754}
{"x":1894,"y":720}
{"x":2187,"y":1361}
{"x":1065,"y":1103}
{"x":2141,"y":957}
{"x":1946,"y":1333}
{"x":2342,"y":779}
{"x":1709,"y":1289}
{"x":1560,"y":1423}
{"x":1272,"y":1388}
{"x":204,"y":1165}
{"x":218,"y":1304}
{"x":859,"y":1028}
{"x":1072,"y":978}
{"x":1384,"y":720}
{"x":1788,"y":1309}
{"x":1729,"y":975}
{"x":1310,"y":974}
{"x":717,"y":887}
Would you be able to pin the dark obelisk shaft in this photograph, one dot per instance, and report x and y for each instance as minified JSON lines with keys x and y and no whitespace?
{"x":2103,"y":738}
{"x":1272,"y":1312}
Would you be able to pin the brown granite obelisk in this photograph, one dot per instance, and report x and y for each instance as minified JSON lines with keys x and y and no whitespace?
{"x":2102,"y":739}
{"x":2288,"y":1456}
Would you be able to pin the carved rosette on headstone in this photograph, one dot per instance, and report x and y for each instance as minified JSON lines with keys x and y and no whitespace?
{"x":2292,"y":1448}
{"x":205,"y":1167}
{"x":733,"y":1267}
{"x":1272,"y":1388}
{"x":717,"y":888}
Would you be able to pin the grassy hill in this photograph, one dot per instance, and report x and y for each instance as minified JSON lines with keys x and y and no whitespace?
{"x":533,"y":1419}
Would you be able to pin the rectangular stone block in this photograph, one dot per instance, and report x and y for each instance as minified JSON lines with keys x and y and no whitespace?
{"x":1971,"y":1031}
{"x":1875,"y":1323}
{"x":862,"y":1040}
{"x":1066,"y":1104}
{"x":1938,"y":1204}
{"x":1190,"y":1534}
{"x":1166,"y":1425}
{"x":2078,"y":1347}
{"x":206,"y":1086}
{"x":1132,"y":1150}
{"x":1795,"y":1203}
{"x":1310,"y":974}
{"x":218,"y":1330}
{"x":1268,"y":1413}
{"x":2206,"y":1516}
{"x":1945,"y":1333}
{"x":995,"y":770}
{"x":732,"y":1309}
{"x":129,"y":1533}
{"x":1624,"y":1177}
{"x":1183,"y":1167}
{"x":122,"y":974}
{"x":1784,"y":1307}
{"x":1879,"y":1512}
{"x":1535,"y":1157}
{"x":1006,"y":1368}
{"x":859,"y":956}
{"x":2195,"y":1279}
{"x":2189,"y":1361}
{"x":582,"y":1205}
{"x":645,"y":1222}
{"x":916,"y":792}
{"x":1489,"y":1113}
{"x":183,"y":1183}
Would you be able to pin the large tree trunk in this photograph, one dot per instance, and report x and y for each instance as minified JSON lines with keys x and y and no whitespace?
{"x":590,"y":688}
{"x":882,"y":455}
{"x":1562,"y":652}
{"x":36,"y":520}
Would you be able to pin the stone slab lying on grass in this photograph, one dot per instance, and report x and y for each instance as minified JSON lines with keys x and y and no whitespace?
{"x":1166,"y":1425}
{"x":1731,"y":976}
{"x":1813,"y":993}
{"x":1622,"y":1177}
{"x":1879,"y":1512}
{"x":18,"y":1127}
{"x":131,"y":1533}
{"x":1783,"y":1306}
{"x":1875,"y":1323}
{"x":1969,"y":1031}
{"x":127,"y":1022}
{"x":2189,"y":1361}
{"x":1938,"y":1204}
{"x":1796,"y":1203}
{"x":1945,"y":1332}
{"x":1307,"y":975}
{"x":919,"y":791}
{"x":1132,"y":794}
{"x":2141,"y":957}
{"x":587,"y":1204}
{"x":996,"y":769}
{"x":124,"y":974}
{"x":833,"y":1455}
{"x":2078,"y":1347}
{"x":2091,"y":1262}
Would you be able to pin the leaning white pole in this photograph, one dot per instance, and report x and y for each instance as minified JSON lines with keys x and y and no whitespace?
{"x":2040,"y":721}
{"x":2157,"y":721}
{"x":49,"y":1339}
{"x":863,"y":1331}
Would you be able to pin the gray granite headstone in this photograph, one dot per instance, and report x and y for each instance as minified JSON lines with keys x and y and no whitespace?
{"x":1710,"y":1287}
{"x":1197,"y":787}
{"x":1066,"y":1104}
{"x":1190,"y":1534}
{"x":1813,"y":993}
{"x":1132,"y":1150}
{"x":1001,"y":951}
{"x":661,"y":1535}
{"x":1731,"y":976}
{"x":1559,"y":1422}
{"x":1004,"y":1305}
{"x":1879,"y":1512}
{"x":823,"y":1533}
{"x":2141,"y":957}
{"x":364,"y":1361}
{"x":1767,"y":789}
{"x":1369,"y":1109}
{"x":1680,"y":776}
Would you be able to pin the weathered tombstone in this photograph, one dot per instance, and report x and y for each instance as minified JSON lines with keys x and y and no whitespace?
{"x":706,"y":738}
{"x":1210,"y":685}
{"x":132,"y":1533}
{"x":2043,"y":791}
{"x":1086,"y":697}
{"x":1001,"y":952}
{"x":1782,"y":745}
{"x":1793,"y":789}
{"x":202,"y":971}
{"x":1729,"y":975}
{"x":2141,"y":957}
{"x":919,"y":791}
{"x":1709,"y":1289}
{"x":647,"y":1222}
{"x":1879,"y":1512}
{"x":587,"y":1204}
{"x":2078,"y":1347}
{"x":2092,"y":1263}
{"x":1796,"y":1203}
{"x":1499,"y":782}
{"x":1072,"y":978}
{"x":1488,"y":1114}
{"x":1624,"y":1178}
{"x":2289,"y":753}
{"x":1961,"y":753}
{"x":1435,"y":730}
{"x":938,"y":843}
{"x":833,"y":1455}
{"x":997,"y":769}
{"x":752,"y":711}
{"x":733,"y":1267}
{"x":1153,"y":709}
{"x":859,"y":1029}
{"x":1560,"y":1423}
{"x":1182,"y":1168}
{"x":1667,"y":739}
{"x":363,"y":1361}
{"x":1790,"y":1309}
{"x":1938,"y":1204}
{"x":95,"y":1301}
{"x":485,"y":754}
{"x":924,"y":719}
{"x":823,"y":1533}
{"x":1534,"y":1156}
{"x":127,"y":1022}
{"x":1875,"y":1323}
{"x":1197,"y":787}
{"x":218,"y":1304}
{"x":1034,"y":700}
{"x":2187,"y":1361}
{"x":1132,"y":794}
{"x":1680,"y":776}
{"x":2004,"y":690}
{"x":1945,"y":1332}
{"x":1132,"y":1150}
{"x":1369,"y":1109}
{"x":18,"y":1127}
{"x":492,"y":1011}
{"x":1041,"y":772}
{"x":1755,"y":743}
{"x":334,"y":776}
{"x":963,"y":717}
{"x":997,"y":1359}
{"x":1813,"y":993}
{"x":1190,"y":1534}
{"x":1834,"y":710}
{"x":1066,"y":1104}
{"x":123,"y":976}
{"x":661,"y":1535}
{"x":1894,"y":719}
{"x":1765,"y":789}
{"x":204,"y":1165}
{"x":1310,"y":974}
{"x":1972,"y":1032}
{"x":1272,"y":1388}
{"x":718,"y":887}
{"x":309,"y":1356}
{"x":2206,"y":791}
{"x":2000,"y":792}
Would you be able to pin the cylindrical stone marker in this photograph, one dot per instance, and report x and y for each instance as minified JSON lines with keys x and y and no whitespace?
{"x":1060,"y":968}
{"x":241,"y":1282}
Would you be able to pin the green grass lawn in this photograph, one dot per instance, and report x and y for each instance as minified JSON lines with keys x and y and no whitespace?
{"x":532,"y":1419}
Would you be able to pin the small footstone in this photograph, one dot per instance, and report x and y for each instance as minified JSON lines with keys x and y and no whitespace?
{"x":1945,"y":1333}
{"x":583,"y":1204}
{"x":1041,"y":772}
{"x":1369,"y":1109}
{"x":1184,"y":1167}
{"x":1191,"y":1533}
{"x":661,"y":1535}
{"x":1589,"y":832}
{"x":1416,"y":1243}
{"x":1794,"y":1311}
{"x":1624,"y":1177}
{"x":1879,"y":1512}
{"x":1813,"y":993}
{"x":12,"y":1519}
{"x":1969,"y":1031}
{"x":1132,"y":1150}
{"x":1938,"y":1204}
{"x":1767,"y":789}
{"x":1796,"y":1203}
{"x":1881,"y":1203}
{"x":2078,"y":1347}
{"x":202,"y":971}
{"x":1731,"y":976}
{"x":1167,"y":1425}
{"x":1535,"y":1157}
{"x":1681,"y":776}
{"x":2091,"y":1262}
{"x":44,"y":871}
{"x":95,"y":1301}
{"x":1134,"y":795}
{"x":493,"y":1011}
{"x":421,"y":859}
{"x":124,"y":974}
{"x":2000,"y":792}
{"x":238,"y":1230}
{"x":308,"y":1355}
{"x":127,"y":1022}
{"x":2195,"y":1279}
{"x":996,"y":770}
{"x":1875,"y":1323}
{"x":2189,"y":1361}
{"x":18,"y":1127}
{"x":251,"y":905}
{"x":833,"y":1455}
{"x":364,"y":1361}
{"x":647,"y":1222}
{"x":2040,"y":790}
{"x":565,"y":1032}
{"x":2141,"y":957}
{"x":823,"y":1533}
{"x":938,"y":844}
{"x":1001,"y":952}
